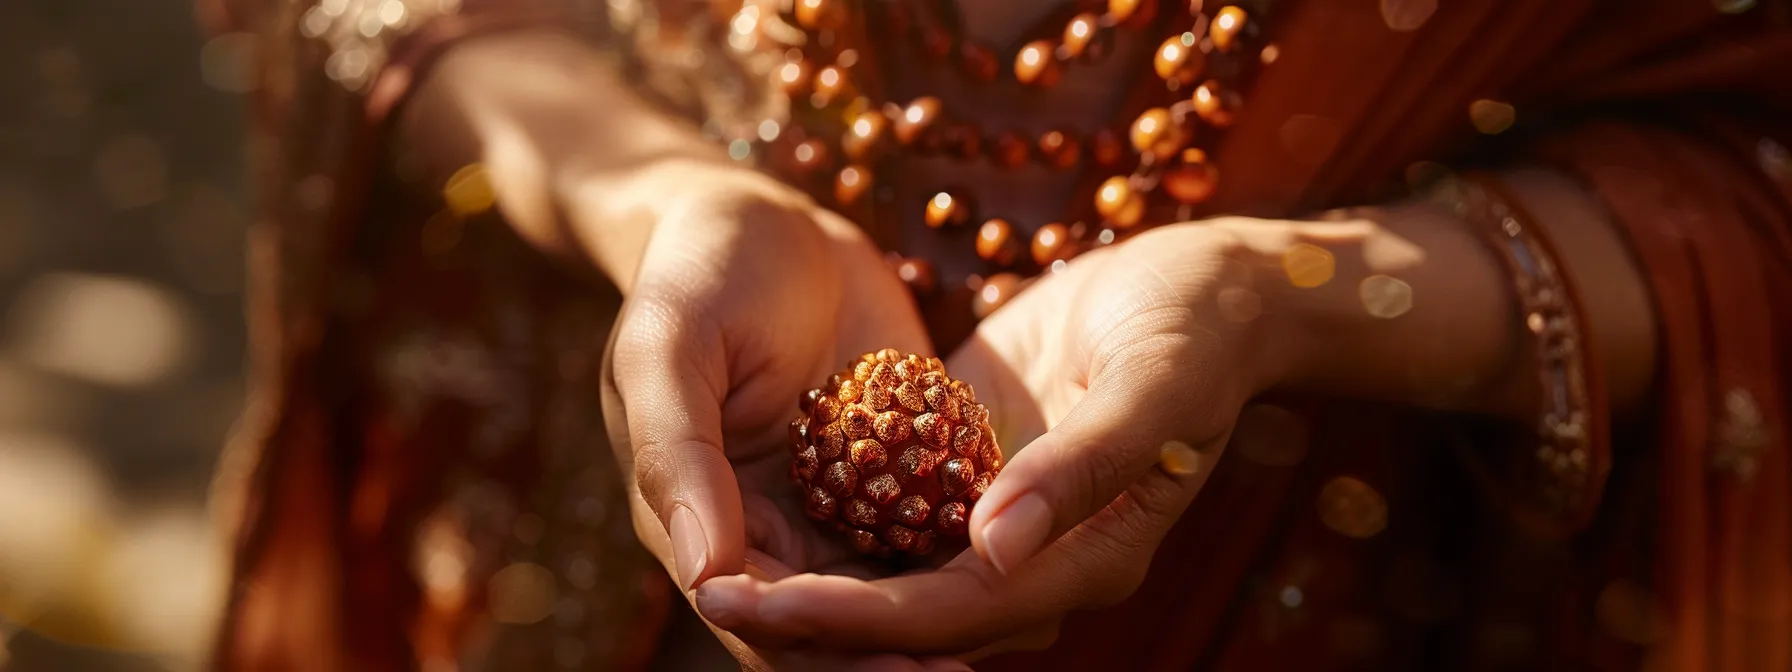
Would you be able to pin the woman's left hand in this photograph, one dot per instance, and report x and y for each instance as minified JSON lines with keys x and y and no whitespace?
{"x":1137,"y":359}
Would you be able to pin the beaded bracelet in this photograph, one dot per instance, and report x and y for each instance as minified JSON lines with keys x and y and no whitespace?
{"x":1567,"y":472}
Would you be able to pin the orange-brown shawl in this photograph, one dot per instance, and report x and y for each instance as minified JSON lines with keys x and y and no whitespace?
{"x":1677,"y":114}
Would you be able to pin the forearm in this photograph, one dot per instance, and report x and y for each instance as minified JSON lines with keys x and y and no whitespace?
{"x":574,"y":156}
{"x":1418,"y":308}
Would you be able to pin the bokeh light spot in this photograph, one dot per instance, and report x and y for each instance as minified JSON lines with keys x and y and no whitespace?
{"x":522,"y":593}
{"x":1405,"y":16}
{"x":1385,"y":297}
{"x":1308,"y":266}
{"x":1352,"y":508}
{"x":469,"y":191}
{"x":1179,"y":459}
{"x":1492,"y":117}
{"x":112,"y":331}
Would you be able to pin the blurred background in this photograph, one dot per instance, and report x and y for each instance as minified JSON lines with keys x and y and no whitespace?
{"x":122,"y":210}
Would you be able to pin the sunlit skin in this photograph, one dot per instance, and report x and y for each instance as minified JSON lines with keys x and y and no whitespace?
{"x":723,"y":329}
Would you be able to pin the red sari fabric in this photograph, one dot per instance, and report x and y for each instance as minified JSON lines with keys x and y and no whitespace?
{"x":1677,"y":114}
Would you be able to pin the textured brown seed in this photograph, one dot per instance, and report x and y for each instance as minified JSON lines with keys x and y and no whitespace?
{"x":876,"y":397}
{"x":806,"y":403}
{"x":848,"y":391}
{"x":819,"y":504}
{"x":856,"y":421}
{"x":968,"y":441}
{"x":868,"y":454}
{"x":912,"y":510}
{"x":883,"y":489}
{"x":942,"y":402}
{"x":827,"y":409}
{"x":806,"y":463}
{"x":923,"y":544}
{"x":953,"y":518}
{"x":956,"y":475}
{"x":841,"y":479}
{"x":860,"y":512}
{"x":892,"y":427}
{"x":832,"y":443}
{"x":892,"y":470}
{"x":915,"y":462}
{"x":979,"y":486}
{"x":865,"y":542}
{"x":900,"y":538}
{"x":933,"y":430}
{"x":909,"y":395}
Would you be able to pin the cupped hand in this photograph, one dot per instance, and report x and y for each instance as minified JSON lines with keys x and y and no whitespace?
{"x":1122,"y":377}
{"x":746,"y":295}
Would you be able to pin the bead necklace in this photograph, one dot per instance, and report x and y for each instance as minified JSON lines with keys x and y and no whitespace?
{"x":1204,"y":60}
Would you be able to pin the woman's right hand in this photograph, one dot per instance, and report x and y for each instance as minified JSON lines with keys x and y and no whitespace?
{"x":740,"y":294}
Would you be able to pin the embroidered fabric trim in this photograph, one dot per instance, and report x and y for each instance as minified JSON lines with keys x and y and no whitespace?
{"x":1566,"y":473}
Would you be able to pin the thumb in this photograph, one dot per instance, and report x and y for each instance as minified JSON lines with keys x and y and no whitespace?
{"x":1158,"y":394}
{"x":670,"y":377}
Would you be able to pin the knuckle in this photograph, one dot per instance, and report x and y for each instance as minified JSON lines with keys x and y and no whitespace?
{"x":652,"y":465}
{"x":1117,"y":553}
{"x":1102,"y":475}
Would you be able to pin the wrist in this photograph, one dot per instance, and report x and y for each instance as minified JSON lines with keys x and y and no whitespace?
{"x":1400,"y":302}
{"x":579,"y":163}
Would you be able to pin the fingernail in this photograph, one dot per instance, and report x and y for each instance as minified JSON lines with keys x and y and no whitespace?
{"x":1017,"y":532}
{"x":690,"y":551}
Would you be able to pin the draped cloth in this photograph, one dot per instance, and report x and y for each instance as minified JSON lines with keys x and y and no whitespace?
{"x":420,"y":476}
